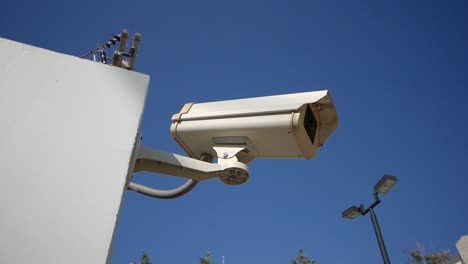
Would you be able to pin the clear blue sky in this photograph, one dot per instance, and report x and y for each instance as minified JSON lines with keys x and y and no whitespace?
{"x":397,"y":71}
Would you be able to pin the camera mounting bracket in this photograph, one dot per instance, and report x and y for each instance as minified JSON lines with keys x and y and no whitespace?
{"x":227,"y":157}
{"x":157,"y":161}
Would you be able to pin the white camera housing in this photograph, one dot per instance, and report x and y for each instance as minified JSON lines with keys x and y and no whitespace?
{"x":281,"y":126}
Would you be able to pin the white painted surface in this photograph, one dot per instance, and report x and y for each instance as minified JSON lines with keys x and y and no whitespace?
{"x":273,"y":124}
{"x":462,"y":247}
{"x":285,"y":103}
{"x":67,"y":130}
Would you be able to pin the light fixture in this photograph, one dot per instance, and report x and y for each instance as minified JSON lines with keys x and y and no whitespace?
{"x":351,"y":213}
{"x":385,"y":184}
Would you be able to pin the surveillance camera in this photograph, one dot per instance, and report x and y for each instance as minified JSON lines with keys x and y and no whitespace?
{"x":236,"y":132}
{"x":281,"y":126}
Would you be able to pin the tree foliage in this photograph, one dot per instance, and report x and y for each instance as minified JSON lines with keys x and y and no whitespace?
{"x":206,"y":259}
{"x":418,"y":256}
{"x":302,"y":259}
{"x":145,"y":259}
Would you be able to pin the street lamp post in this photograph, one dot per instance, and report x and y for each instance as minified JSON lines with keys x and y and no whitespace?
{"x":383,"y":186}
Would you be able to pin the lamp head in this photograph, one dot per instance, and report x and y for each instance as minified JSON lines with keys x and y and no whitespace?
{"x":385,"y":184}
{"x":352,"y":212}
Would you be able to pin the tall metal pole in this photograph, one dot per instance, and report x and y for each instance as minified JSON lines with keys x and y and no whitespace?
{"x":378,"y":234}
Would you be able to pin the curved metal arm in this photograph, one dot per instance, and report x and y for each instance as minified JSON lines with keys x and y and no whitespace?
{"x":168,"y":194}
{"x":163,"y":194}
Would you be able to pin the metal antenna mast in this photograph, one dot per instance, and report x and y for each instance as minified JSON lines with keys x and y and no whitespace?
{"x":119,"y":56}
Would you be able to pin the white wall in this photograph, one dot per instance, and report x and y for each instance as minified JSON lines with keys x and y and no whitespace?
{"x":67,"y":131}
{"x":462,"y":247}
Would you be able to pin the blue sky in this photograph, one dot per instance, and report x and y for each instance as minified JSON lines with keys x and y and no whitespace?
{"x":397,"y":71}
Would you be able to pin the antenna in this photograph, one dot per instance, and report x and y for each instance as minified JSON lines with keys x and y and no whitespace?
{"x":120,"y":58}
